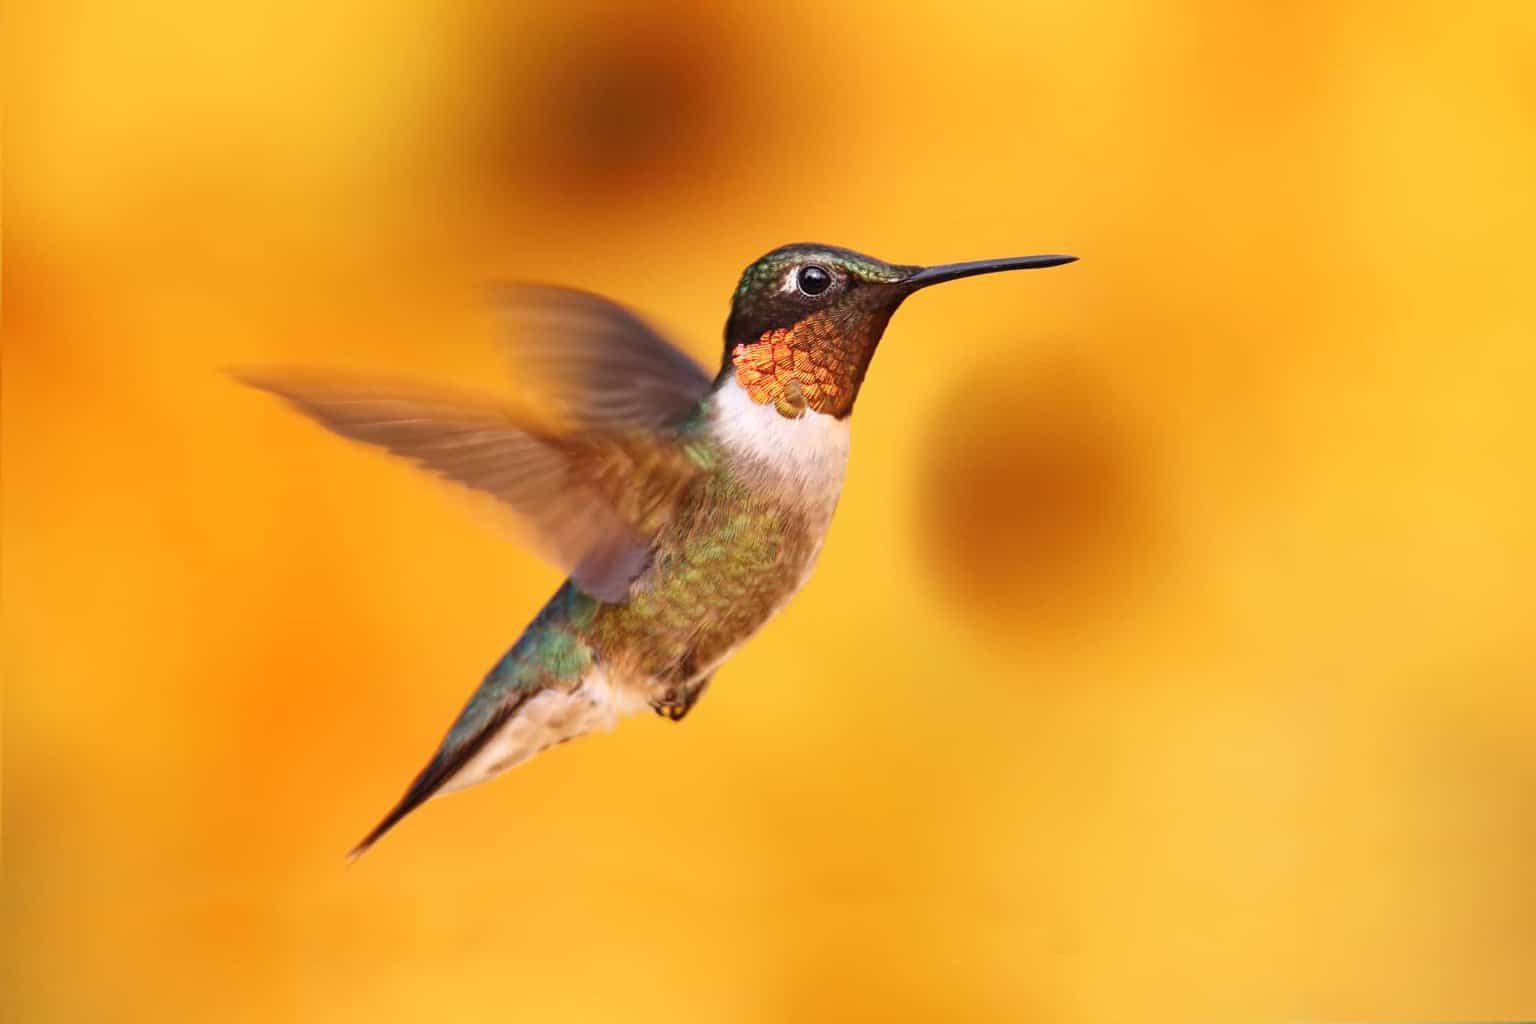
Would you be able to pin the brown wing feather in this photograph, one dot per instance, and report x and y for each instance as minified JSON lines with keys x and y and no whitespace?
{"x":604,"y":366}
{"x":593,"y":501}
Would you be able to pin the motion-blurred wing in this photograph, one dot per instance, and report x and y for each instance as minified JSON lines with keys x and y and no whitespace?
{"x":593,"y":502}
{"x":602,"y":364}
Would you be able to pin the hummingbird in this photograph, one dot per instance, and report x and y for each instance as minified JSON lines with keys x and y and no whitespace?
{"x":686,"y":509}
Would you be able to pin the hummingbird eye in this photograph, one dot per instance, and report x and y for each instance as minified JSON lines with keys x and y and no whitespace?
{"x":813,"y":280}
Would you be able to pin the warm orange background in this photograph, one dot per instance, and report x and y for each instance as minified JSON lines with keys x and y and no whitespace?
{"x":1173,"y":656}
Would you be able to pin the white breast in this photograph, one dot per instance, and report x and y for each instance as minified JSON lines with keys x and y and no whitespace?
{"x":808,"y":455}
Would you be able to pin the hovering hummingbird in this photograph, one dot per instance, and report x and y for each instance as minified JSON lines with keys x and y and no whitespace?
{"x":687,"y":511}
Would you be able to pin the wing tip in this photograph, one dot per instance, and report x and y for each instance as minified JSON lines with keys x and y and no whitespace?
{"x":286,"y":383}
{"x":249,"y":376}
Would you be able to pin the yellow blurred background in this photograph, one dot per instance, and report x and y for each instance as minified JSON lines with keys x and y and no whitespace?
{"x":1173,"y":655}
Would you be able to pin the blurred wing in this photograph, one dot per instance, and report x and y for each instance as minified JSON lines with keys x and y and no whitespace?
{"x":594,"y":502}
{"x":605,"y":366}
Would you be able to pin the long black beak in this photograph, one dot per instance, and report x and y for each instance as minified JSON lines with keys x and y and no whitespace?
{"x":954,"y":271}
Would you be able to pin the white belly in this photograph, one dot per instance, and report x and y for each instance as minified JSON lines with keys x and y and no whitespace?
{"x":549,"y":717}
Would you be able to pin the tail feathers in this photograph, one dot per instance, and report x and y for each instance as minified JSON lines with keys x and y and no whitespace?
{"x":448,"y":762}
{"x":521,"y":725}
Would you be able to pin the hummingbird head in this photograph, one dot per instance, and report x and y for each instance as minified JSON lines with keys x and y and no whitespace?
{"x":806,"y":319}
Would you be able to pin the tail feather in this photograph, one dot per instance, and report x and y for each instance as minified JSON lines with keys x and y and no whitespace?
{"x":549,"y":688}
{"x":445,"y":764}
{"x":523,"y":725}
